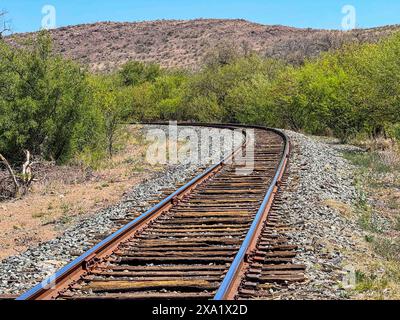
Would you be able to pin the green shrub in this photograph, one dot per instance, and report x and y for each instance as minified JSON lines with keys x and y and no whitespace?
{"x":134,"y":73}
{"x":51,"y":107}
{"x":42,"y":100}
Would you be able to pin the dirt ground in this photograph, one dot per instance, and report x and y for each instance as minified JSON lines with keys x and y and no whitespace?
{"x":62,"y":194}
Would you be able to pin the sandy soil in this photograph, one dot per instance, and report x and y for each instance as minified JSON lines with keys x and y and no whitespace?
{"x":52,"y":205}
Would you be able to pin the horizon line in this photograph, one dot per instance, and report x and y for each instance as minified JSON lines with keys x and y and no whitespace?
{"x":204,"y":19}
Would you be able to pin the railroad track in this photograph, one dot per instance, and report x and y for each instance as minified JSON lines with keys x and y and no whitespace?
{"x":207,"y":240}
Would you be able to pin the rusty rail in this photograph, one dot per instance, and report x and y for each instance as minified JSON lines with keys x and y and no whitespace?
{"x":231,"y":282}
{"x":70,"y":274}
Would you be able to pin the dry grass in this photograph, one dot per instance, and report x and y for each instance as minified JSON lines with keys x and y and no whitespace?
{"x":343,"y":208}
{"x":378,"y":269}
{"x":63,"y":193}
{"x":387,"y":150}
{"x":391,"y":157}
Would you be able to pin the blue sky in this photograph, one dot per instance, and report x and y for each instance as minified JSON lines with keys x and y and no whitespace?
{"x":26,"y":15}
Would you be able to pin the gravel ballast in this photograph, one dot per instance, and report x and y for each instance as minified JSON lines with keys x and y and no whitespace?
{"x":21,"y":272}
{"x":318,"y":177}
{"x":317,"y":203}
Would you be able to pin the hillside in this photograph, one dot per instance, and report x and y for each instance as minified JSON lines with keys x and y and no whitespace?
{"x":105,"y":45}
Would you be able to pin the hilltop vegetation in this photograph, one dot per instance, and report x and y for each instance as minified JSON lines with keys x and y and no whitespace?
{"x":104,"y":46}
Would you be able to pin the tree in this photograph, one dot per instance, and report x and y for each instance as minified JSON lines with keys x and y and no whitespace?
{"x":41,"y":100}
{"x":223,"y":54}
{"x":113,"y":103}
{"x":167,"y":93}
{"x":142,"y":106}
{"x":134,"y":73}
{"x":215,"y":84}
{"x":289,"y":101}
{"x":249,"y":101}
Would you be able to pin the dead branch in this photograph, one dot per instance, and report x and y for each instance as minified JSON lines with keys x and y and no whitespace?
{"x":17,"y":186}
{"x":27,"y":167}
{"x":23,"y":180}
{"x":27,"y":176}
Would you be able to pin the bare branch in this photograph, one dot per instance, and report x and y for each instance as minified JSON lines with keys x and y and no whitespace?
{"x":27,"y":168}
{"x":11,"y":172}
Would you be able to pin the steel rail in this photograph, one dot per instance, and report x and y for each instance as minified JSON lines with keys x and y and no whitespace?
{"x":232,"y":279}
{"x":49,"y":287}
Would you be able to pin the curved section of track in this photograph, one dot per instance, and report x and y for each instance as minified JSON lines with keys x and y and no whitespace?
{"x":193,"y":244}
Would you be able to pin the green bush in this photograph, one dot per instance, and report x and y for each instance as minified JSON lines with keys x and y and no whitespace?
{"x":134,"y":73}
{"x":216,"y":86}
{"x":394,"y":131}
{"x":52,"y":107}
{"x":347,"y":92}
{"x":42,"y":100}
{"x":112,"y":103}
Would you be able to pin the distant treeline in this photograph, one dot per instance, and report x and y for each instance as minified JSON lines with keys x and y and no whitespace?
{"x":54,"y":108}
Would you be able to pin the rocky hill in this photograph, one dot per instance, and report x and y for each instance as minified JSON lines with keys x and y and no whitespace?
{"x":172,"y":43}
